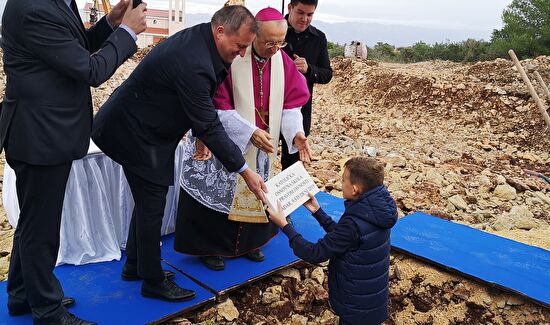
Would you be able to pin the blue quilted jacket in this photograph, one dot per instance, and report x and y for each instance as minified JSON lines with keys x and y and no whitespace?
{"x":359,"y":250}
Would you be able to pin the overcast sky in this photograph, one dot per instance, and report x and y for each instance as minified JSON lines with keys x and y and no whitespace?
{"x":474,"y":15}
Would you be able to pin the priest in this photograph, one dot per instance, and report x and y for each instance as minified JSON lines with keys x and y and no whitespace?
{"x":260,"y":99}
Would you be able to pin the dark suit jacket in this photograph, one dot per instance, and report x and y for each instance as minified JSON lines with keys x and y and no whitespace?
{"x":168,"y":93}
{"x":311,"y":44}
{"x":50,"y":62}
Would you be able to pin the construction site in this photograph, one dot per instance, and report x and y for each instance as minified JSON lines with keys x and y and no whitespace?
{"x":460,"y":142}
{"x":464,"y":142}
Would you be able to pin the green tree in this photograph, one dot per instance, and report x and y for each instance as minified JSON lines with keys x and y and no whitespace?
{"x":335,"y":49}
{"x":422,"y":52}
{"x":526,"y":29}
{"x":474,"y":50}
{"x":383,"y":52}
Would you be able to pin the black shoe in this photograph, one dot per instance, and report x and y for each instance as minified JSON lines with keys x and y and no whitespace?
{"x":130,"y":274}
{"x":67,"y":302}
{"x":166,"y":290}
{"x":255,"y":255}
{"x":215,"y":263}
{"x":70,"y":319}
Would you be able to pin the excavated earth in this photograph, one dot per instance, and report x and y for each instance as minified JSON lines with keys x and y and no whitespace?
{"x":457,"y":140}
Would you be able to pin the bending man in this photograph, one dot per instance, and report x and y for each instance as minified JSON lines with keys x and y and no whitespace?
{"x":141,"y":124}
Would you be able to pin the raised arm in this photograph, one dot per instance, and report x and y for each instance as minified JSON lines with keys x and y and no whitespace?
{"x":320,"y":72}
{"x":48,"y":36}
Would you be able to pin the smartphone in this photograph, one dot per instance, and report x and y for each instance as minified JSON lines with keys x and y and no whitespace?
{"x":136,"y":3}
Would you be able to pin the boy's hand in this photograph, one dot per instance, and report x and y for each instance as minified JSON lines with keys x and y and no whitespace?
{"x":277,"y":217}
{"x":312,"y":205}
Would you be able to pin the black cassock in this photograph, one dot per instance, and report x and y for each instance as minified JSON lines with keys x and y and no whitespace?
{"x":206,"y":232}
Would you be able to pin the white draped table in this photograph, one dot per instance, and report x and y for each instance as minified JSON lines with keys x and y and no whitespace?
{"x":97,"y":209}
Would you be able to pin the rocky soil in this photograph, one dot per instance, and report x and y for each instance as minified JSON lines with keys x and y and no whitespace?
{"x":457,"y":140}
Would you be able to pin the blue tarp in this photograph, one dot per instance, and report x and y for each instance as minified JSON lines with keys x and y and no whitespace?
{"x":495,"y":260}
{"x":103,"y":297}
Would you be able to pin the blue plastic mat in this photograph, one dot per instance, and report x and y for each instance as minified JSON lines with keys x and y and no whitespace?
{"x":102,"y":296}
{"x":498,"y":261}
{"x":237,"y":270}
{"x":491,"y":259}
{"x":241,"y":270}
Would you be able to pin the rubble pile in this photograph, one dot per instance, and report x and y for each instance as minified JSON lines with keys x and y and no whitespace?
{"x":419,"y":294}
{"x":457,"y":140}
{"x":482,"y":94}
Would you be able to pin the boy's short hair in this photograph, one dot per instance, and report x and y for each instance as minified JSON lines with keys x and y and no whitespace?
{"x":365,"y":172}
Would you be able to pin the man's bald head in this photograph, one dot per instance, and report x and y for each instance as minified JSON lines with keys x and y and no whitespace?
{"x":271,"y":37}
{"x":270,"y":27}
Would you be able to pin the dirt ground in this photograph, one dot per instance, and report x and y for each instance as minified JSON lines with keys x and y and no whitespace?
{"x":457,"y":140}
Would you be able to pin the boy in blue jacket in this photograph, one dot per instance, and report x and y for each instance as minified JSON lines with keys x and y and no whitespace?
{"x":358,"y":246}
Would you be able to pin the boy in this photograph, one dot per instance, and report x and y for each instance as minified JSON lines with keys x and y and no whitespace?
{"x":358,"y":246}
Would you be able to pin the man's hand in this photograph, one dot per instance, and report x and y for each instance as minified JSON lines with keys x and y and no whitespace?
{"x":277,"y":217}
{"x":255,"y":183}
{"x":300,"y":141}
{"x":201,"y":151}
{"x":117,"y":13}
{"x":301,"y":63}
{"x":134,"y":18}
{"x":312,"y":205}
{"x":262,"y":140}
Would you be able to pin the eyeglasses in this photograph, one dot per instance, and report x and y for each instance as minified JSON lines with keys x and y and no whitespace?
{"x":271,"y":45}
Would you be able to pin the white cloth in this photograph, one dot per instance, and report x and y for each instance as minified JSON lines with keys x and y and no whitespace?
{"x":209,"y":182}
{"x":240,"y":130}
{"x":237,"y":128}
{"x":291,"y":124}
{"x":97,"y":209}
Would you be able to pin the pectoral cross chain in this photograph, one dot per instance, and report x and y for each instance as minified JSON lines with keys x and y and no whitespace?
{"x":264,"y":113}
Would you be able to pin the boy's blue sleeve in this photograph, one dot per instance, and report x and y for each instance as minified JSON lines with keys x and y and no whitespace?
{"x":343,"y":237}
{"x":324,"y":220}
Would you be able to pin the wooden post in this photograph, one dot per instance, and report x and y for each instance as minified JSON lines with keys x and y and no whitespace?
{"x":534,"y":94}
{"x":543,"y":85}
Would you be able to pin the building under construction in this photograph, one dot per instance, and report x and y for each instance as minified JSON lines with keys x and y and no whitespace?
{"x":161,"y":23}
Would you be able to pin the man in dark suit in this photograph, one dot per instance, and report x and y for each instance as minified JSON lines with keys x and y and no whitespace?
{"x":51,"y":61}
{"x":307,"y":45}
{"x":169,"y":93}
